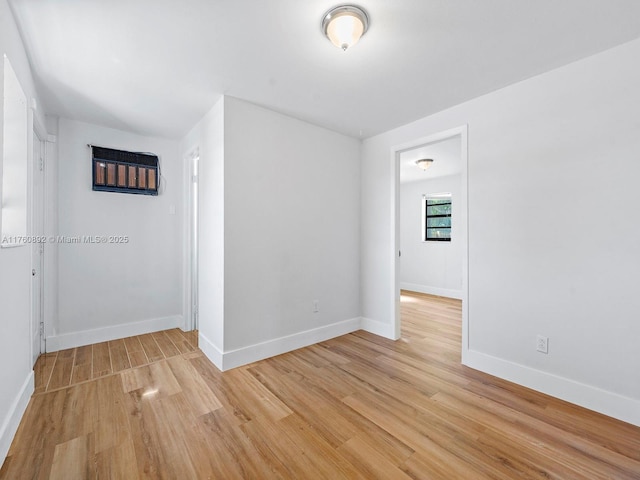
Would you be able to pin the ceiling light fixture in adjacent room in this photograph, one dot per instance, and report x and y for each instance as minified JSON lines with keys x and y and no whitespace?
{"x":424,"y":163}
{"x":344,"y":25}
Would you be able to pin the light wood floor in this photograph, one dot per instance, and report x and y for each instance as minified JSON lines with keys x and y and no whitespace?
{"x":76,"y":365}
{"x":357,"y":406}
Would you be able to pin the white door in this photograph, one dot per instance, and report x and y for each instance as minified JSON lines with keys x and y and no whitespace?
{"x":37,"y":249}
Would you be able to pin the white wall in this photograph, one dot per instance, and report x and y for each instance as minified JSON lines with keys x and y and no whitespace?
{"x":16,"y":376}
{"x":549,"y":159}
{"x":430,"y":267}
{"x":208,"y":137}
{"x":291,"y":232}
{"x":112,"y":290}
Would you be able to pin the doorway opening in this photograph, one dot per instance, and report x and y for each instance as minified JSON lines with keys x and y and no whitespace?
{"x":452,"y":281}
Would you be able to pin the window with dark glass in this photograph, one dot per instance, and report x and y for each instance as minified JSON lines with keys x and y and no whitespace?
{"x":125,"y":172}
{"x":437,"y":217}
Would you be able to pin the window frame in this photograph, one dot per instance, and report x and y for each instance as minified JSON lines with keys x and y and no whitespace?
{"x":426,"y":217}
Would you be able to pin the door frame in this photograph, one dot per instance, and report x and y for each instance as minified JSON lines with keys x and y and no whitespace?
{"x":396,"y":150}
{"x":190,"y":300}
{"x":37,"y":212}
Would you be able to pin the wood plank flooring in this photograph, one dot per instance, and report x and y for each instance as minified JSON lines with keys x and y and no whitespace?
{"x":356,"y":407}
{"x":76,"y":365}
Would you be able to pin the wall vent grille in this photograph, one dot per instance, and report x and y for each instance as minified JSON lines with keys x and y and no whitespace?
{"x":125,"y":172}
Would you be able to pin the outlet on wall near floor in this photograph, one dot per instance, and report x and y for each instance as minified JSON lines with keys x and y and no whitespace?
{"x":316,"y":306}
{"x":542,"y":344}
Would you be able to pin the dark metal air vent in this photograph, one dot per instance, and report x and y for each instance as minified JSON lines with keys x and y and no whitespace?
{"x":125,"y":172}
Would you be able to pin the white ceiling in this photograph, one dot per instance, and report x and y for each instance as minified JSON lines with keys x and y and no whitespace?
{"x":156,"y":66}
{"x":446,"y":161}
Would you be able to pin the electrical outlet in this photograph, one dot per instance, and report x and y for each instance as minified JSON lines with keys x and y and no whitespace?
{"x":542,"y":344}
{"x":316,"y":306}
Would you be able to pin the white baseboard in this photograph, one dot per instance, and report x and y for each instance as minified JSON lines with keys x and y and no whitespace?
{"x":212,"y":352}
{"x":601,"y":401}
{"x":12,"y":419}
{"x":114,"y":332}
{"x":441,"y":292}
{"x":385,"y":330}
{"x":252,"y":353}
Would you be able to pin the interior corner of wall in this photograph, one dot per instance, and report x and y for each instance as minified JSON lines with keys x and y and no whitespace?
{"x":382,"y":329}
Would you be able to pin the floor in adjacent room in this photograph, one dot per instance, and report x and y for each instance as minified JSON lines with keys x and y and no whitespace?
{"x":76,"y":365}
{"x":358,"y":406}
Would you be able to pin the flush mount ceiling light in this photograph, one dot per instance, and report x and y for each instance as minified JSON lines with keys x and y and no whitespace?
{"x":344,"y":25}
{"x":424,"y":163}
